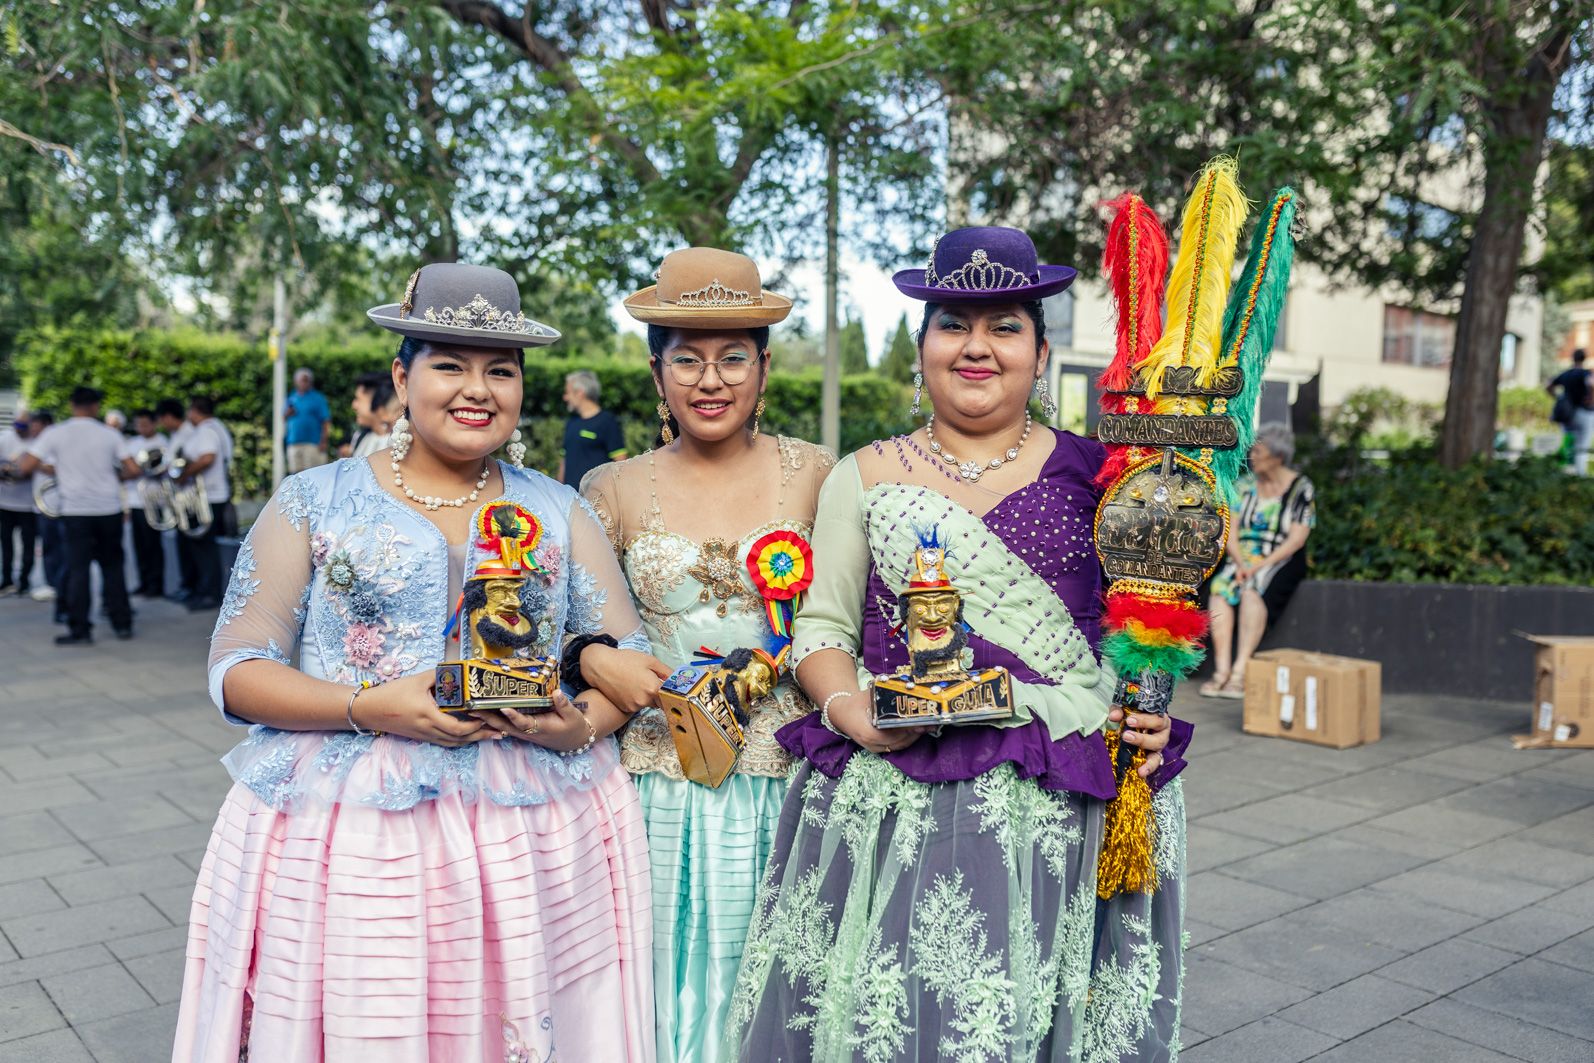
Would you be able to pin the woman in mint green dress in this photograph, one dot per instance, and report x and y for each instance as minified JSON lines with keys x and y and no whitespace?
{"x":683,"y":520}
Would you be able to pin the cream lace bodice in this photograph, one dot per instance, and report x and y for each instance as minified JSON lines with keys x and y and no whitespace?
{"x":693,"y":594}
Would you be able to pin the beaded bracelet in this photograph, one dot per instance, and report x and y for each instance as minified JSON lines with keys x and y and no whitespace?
{"x":824,"y":711}
{"x":348,"y":712}
{"x":592,"y":740}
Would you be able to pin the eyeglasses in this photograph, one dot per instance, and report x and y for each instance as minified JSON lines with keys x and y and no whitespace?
{"x":688,"y":371}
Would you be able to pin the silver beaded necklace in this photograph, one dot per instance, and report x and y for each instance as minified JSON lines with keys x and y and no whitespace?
{"x":971,"y":471}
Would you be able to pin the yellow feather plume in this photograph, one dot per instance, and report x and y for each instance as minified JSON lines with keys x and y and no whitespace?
{"x":1198,"y":288}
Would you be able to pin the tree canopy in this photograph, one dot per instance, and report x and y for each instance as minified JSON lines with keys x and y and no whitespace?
{"x":901,"y":352}
{"x":223,"y":141}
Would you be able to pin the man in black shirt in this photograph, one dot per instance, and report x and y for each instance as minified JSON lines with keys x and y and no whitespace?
{"x":1574,"y":409}
{"x":592,"y":434}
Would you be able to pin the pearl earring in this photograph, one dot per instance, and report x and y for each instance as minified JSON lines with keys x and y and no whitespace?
{"x":516,"y":450}
{"x":918,"y":392}
{"x":399,"y":440}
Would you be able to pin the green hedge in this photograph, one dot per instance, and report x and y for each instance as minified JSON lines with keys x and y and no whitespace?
{"x":136,"y":369}
{"x":1409,"y":520}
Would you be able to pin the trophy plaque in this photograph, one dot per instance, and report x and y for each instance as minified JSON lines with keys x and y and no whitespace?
{"x":708,"y":737}
{"x":707,"y":706}
{"x":936,"y":688}
{"x":501,"y":671}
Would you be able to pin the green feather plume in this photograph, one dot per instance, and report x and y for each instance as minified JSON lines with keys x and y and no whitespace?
{"x":1131,"y":657}
{"x":1249,"y":327}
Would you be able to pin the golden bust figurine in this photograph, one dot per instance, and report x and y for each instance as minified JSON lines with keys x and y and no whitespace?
{"x":708,"y":706}
{"x":933,"y":621}
{"x":498,"y":628}
{"x":751,"y":675}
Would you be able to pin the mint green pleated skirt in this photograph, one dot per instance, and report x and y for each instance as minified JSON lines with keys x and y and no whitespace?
{"x":708,"y":849}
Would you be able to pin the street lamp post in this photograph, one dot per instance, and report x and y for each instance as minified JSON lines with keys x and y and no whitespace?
{"x":279,"y":380}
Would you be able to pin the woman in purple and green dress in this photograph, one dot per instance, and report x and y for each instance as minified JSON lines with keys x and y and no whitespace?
{"x":933,"y":895}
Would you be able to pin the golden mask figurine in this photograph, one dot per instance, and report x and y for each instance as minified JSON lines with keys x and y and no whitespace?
{"x":707,"y":705}
{"x":937,"y":688}
{"x":502,"y":670}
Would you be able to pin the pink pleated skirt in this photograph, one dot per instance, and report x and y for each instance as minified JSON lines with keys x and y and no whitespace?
{"x":451,"y":931}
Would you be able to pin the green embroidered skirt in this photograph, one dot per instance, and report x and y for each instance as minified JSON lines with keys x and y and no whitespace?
{"x":908,"y":921}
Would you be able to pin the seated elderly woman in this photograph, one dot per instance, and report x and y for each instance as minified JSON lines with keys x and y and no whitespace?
{"x":1266,"y":558}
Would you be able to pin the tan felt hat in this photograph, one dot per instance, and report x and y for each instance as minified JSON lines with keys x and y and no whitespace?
{"x":706,"y":288}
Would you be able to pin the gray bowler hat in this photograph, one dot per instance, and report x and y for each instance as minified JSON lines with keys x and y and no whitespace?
{"x":474,"y":306}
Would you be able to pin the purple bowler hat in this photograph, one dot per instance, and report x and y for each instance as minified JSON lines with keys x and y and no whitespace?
{"x":984,"y":264}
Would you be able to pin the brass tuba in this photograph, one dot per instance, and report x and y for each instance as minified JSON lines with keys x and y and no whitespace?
{"x":47,"y":495}
{"x":169,"y":503}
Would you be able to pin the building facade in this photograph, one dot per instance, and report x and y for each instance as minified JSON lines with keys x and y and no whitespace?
{"x":1332,"y":340}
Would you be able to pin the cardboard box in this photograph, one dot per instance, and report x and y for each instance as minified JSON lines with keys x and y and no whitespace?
{"x":1563,"y":690}
{"x":1313,"y":697}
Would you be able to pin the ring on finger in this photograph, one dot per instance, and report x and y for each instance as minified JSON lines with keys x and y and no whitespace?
{"x":533,"y":727}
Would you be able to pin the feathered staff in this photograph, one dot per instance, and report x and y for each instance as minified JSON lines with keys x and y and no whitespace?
{"x":1136,"y":264}
{"x":1152,"y":628}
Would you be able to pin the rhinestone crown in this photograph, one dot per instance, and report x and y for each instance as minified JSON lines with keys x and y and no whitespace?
{"x":979,"y":273}
{"x":716,"y":294}
{"x":480,"y":314}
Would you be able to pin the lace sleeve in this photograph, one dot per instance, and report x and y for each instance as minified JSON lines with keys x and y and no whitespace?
{"x":599,"y":601}
{"x":601,"y":489}
{"x":831,"y":616}
{"x":262,"y":615}
{"x":808,"y":465}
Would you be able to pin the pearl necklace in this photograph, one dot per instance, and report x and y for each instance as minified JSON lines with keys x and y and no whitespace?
{"x":432,"y":502}
{"x":971,"y":471}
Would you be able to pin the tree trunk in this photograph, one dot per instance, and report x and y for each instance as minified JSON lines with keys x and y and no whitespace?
{"x":1516,"y":117}
{"x":830,"y":394}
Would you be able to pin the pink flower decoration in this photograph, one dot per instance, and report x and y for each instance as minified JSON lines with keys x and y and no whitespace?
{"x":363,"y":644}
{"x":549,"y":558}
{"x":388,"y":668}
{"x":320,"y":547}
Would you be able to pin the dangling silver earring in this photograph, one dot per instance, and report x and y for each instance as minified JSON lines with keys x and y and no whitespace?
{"x":516,"y":450}
{"x":1048,"y":404}
{"x":399,"y":440}
{"x":918,"y":392}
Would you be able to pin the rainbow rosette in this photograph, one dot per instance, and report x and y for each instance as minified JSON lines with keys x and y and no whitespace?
{"x":781,"y":565}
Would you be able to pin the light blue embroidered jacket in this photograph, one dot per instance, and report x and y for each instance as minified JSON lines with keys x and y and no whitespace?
{"x":342,"y":577}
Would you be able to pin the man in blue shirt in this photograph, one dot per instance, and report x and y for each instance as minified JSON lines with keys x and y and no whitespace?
{"x":309,"y":416}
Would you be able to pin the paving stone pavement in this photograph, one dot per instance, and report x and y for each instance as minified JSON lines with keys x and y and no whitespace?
{"x":1426,"y":898}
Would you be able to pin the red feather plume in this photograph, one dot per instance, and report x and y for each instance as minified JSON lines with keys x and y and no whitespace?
{"x":1179,"y":618}
{"x":1136,"y":263}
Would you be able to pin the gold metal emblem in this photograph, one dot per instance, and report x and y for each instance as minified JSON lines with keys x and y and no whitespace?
{"x":1180,"y":380}
{"x":1162,"y":522}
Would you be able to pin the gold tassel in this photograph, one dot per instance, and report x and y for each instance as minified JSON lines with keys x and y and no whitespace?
{"x":1198,"y":288}
{"x":1126,"y":863}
